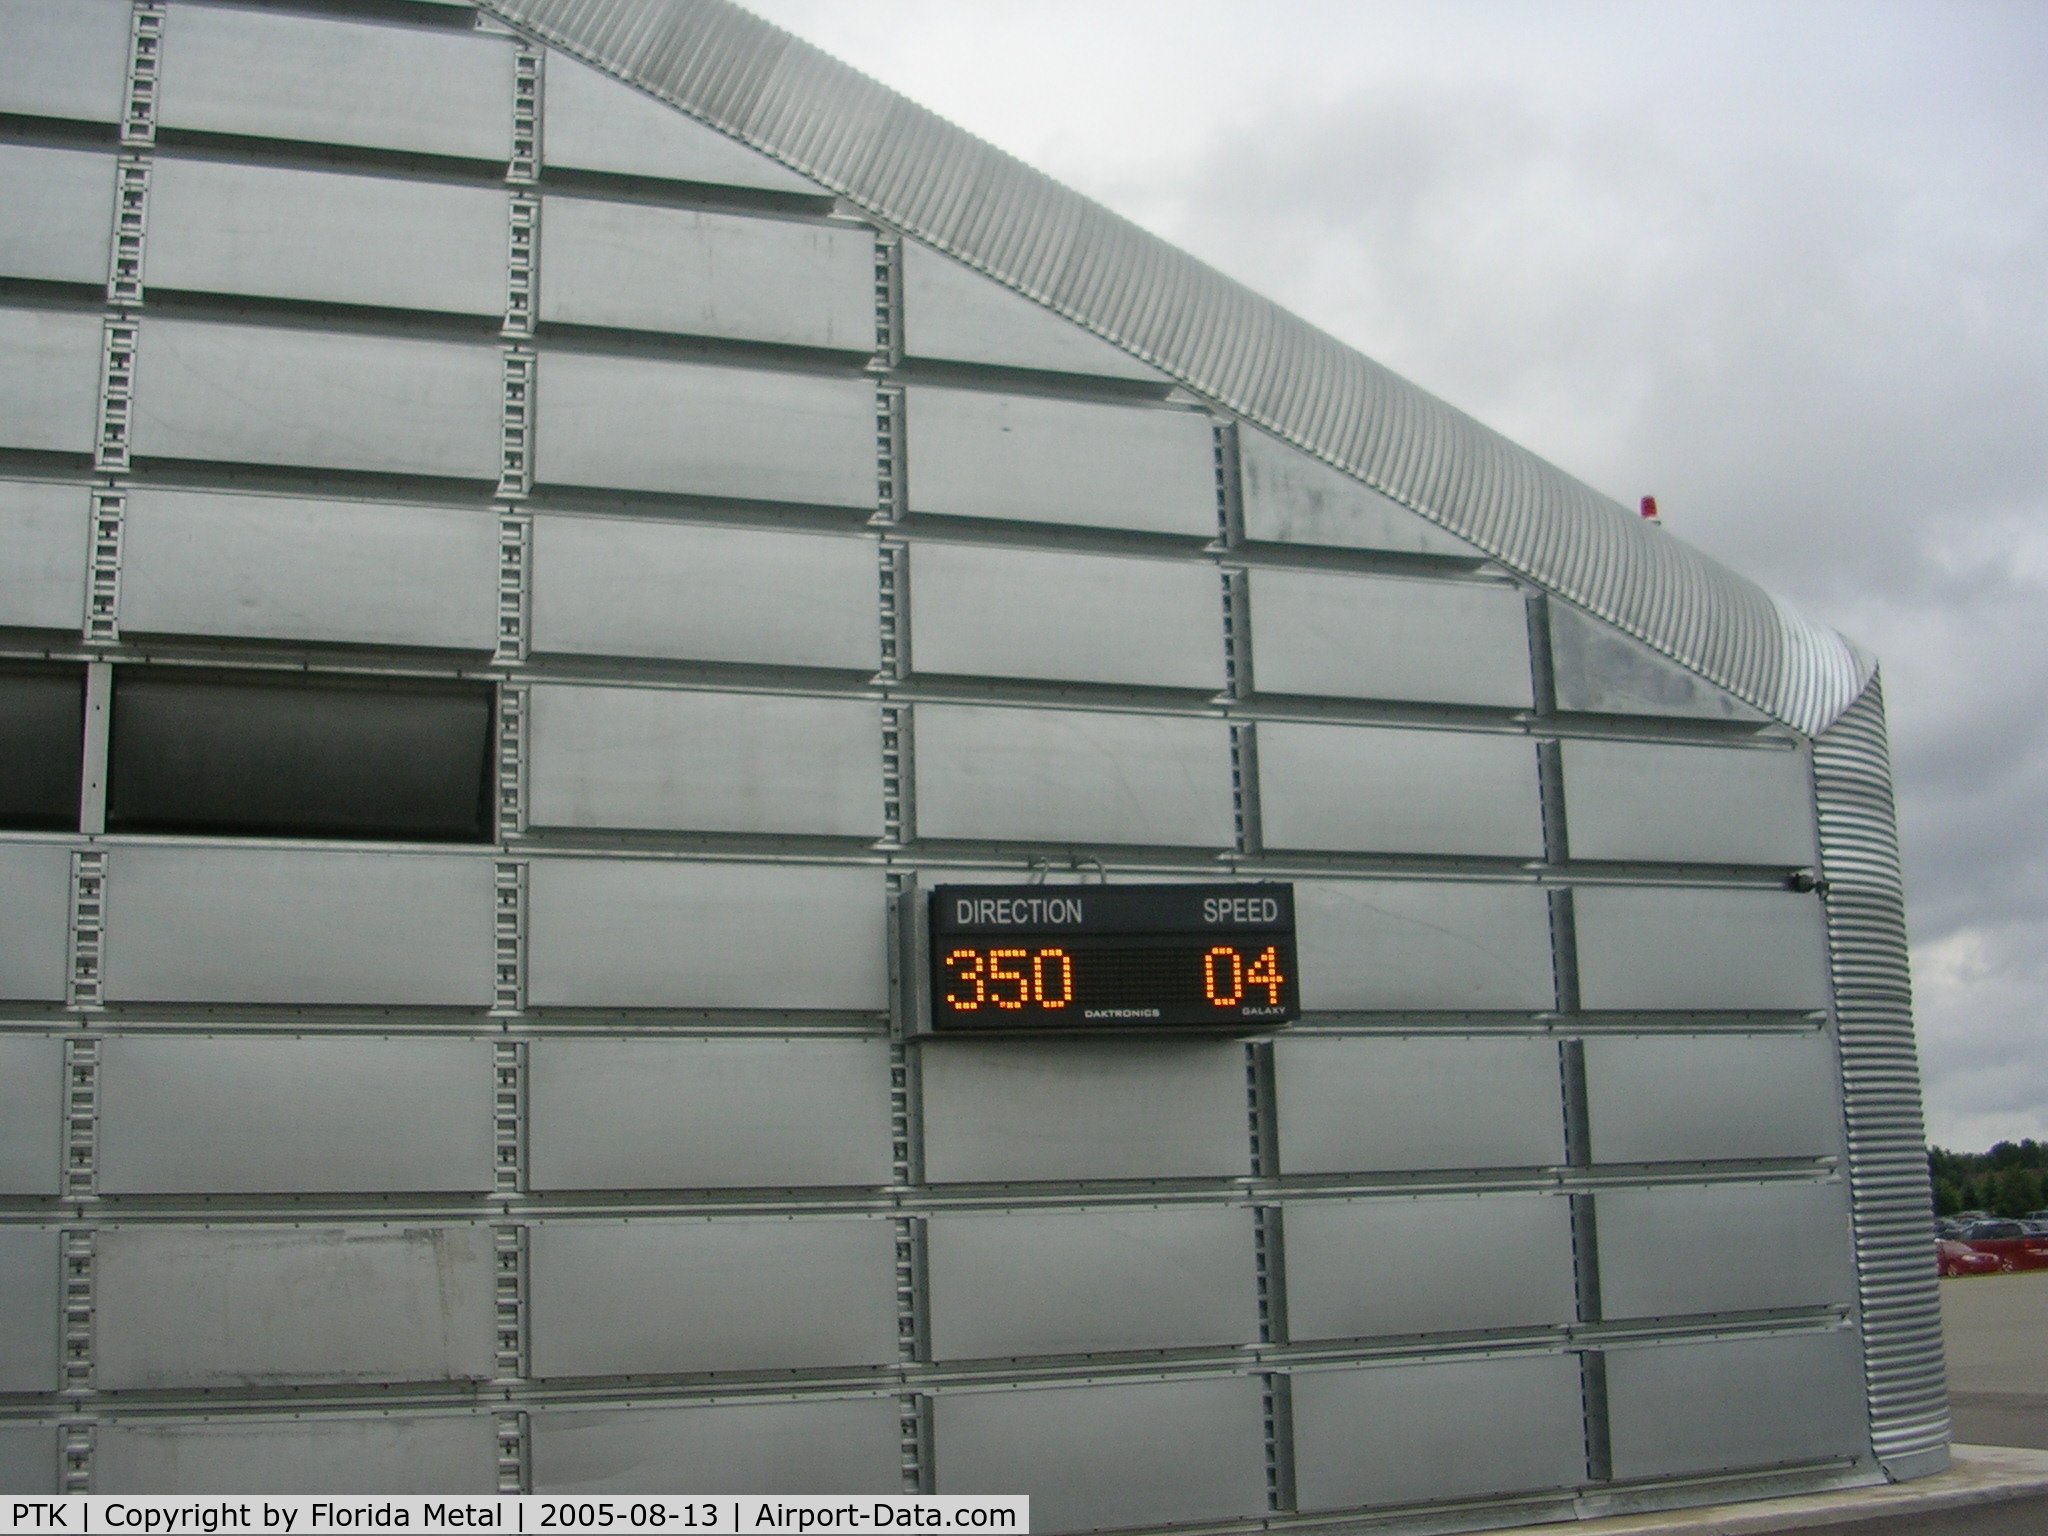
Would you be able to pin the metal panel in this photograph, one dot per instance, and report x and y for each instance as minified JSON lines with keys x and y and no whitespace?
{"x":282,"y":1306}
{"x":60,"y":212}
{"x":28,"y":1452}
{"x":1063,"y":776}
{"x":596,"y":124}
{"x":1065,"y":617}
{"x":1095,"y":1457}
{"x":49,"y":379}
{"x":829,"y":1447}
{"x":1451,"y":1429}
{"x":337,"y":82}
{"x":1078,"y":1282}
{"x":1900,"y":1309}
{"x":640,"y":934}
{"x":688,"y":429}
{"x":1036,"y":460}
{"x":1699,"y":805}
{"x":45,"y":531}
{"x":649,"y":1297}
{"x":292,"y":569}
{"x":318,"y":398}
{"x":705,"y":762}
{"x":1700,"y":1099}
{"x":1385,"y":944}
{"x":1392,"y":791}
{"x":614,"y":587}
{"x":31,"y":1282}
{"x":35,"y":921}
{"x":31,"y":1114}
{"x":1290,"y":498}
{"x":1390,"y":637}
{"x":1366,"y":1268}
{"x":236,"y":1115}
{"x":1669,"y":1251}
{"x":65,"y":58}
{"x":704,"y":1114}
{"x":1597,"y":669}
{"x":640,"y":268}
{"x":297,"y":234}
{"x":1246,"y":353}
{"x":1084,"y":1109}
{"x":955,"y":314}
{"x":416,"y":1453}
{"x":1676,"y":1408}
{"x":1357,"y":1105}
{"x":255,"y":925}
{"x":1646,"y":949}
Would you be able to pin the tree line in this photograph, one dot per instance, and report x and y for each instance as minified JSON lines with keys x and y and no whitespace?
{"x":2009,"y":1180}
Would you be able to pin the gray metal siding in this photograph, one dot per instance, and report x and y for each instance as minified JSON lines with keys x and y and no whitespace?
{"x":954,"y":314}
{"x":1650,"y":949}
{"x":1668,"y":1251}
{"x":300,"y":234}
{"x":652,"y":1297}
{"x":232,"y":1115}
{"x":60,"y":212}
{"x":65,"y":58}
{"x":337,"y":82}
{"x":704,"y":1114}
{"x":1021,"y":458}
{"x":1688,"y":804}
{"x":1339,"y":787}
{"x":1659,"y":1098}
{"x":31,"y":1280}
{"x":244,"y":1306}
{"x":28,"y":1458}
{"x":49,"y":379}
{"x":44,"y":531}
{"x":832,"y":1446}
{"x":640,"y":268}
{"x":291,"y":568}
{"x":35,"y":920}
{"x":1290,"y":498}
{"x":435,"y":1454}
{"x":1398,"y":945}
{"x":31,"y":1114}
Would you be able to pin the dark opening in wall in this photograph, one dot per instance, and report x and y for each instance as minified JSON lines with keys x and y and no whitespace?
{"x":291,"y":756}
{"x":42,"y":736}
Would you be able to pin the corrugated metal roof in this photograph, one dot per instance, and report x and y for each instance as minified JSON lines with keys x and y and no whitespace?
{"x":914,"y":170}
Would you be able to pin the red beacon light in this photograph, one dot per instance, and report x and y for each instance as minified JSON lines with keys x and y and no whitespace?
{"x":1650,"y":510}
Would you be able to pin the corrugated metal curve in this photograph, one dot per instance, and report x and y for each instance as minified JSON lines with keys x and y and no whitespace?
{"x":1866,"y":906}
{"x":914,"y":170}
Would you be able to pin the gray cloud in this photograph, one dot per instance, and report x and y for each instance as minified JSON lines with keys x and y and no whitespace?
{"x":1780,"y":266}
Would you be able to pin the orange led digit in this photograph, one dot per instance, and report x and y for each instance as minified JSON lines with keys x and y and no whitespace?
{"x":996,"y":973}
{"x":1265,"y":972}
{"x":971,"y":971}
{"x":1209,"y":969}
{"x":1062,"y":965}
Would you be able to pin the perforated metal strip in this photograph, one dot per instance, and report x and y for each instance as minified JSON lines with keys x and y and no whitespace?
{"x":1892,"y":1208}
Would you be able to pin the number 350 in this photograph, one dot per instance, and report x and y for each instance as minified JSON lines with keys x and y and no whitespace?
{"x":1009,"y":978}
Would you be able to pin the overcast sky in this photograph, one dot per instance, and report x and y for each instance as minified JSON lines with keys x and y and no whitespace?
{"x":1782,"y":265}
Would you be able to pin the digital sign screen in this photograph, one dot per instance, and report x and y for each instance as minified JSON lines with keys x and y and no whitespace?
{"x":1113,"y":957}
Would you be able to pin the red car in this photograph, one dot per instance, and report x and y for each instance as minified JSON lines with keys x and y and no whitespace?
{"x":1954,"y":1258}
{"x":2010,"y":1245}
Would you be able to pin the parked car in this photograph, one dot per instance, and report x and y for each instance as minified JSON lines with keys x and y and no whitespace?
{"x":2009,"y":1242}
{"x":1954,"y":1258}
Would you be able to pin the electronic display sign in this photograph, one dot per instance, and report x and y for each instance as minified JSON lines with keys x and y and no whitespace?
{"x":1113,"y":957}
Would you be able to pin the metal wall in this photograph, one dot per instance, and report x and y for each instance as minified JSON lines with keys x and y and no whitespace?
{"x":810,"y":571}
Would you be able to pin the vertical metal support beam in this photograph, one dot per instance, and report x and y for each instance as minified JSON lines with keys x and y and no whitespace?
{"x":914,"y":1431}
{"x":83,"y":984}
{"x":893,"y":571}
{"x":103,"y":574}
{"x":1238,"y":683}
{"x":1564,"y":950}
{"x":523,"y":168}
{"x":131,"y":228}
{"x":92,"y":787}
{"x":75,"y":1439}
{"x":515,"y":586}
{"x":145,"y":58}
{"x":512,"y":714}
{"x":508,"y":938}
{"x":899,"y":828}
{"x":82,"y":1118}
{"x":889,"y":455}
{"x":510,"y":1321}
{"x":522,"y":266}
{"x":515,"y":1458}
{"x":508,"y":1115}
{"x":1550,"y":789}
{"x":1277,"y":1401}
{"x":522,"y":374}
{"x":1593,"y":1392}
{"x":888,"y":302}
{"x":80,"y":1303}
{"x":117,"y":395}
{"x":1244,"y":788}
{"x":1229,"y":488}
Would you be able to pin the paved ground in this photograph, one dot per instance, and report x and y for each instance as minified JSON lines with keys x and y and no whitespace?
{"x":1996,"y":1331}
